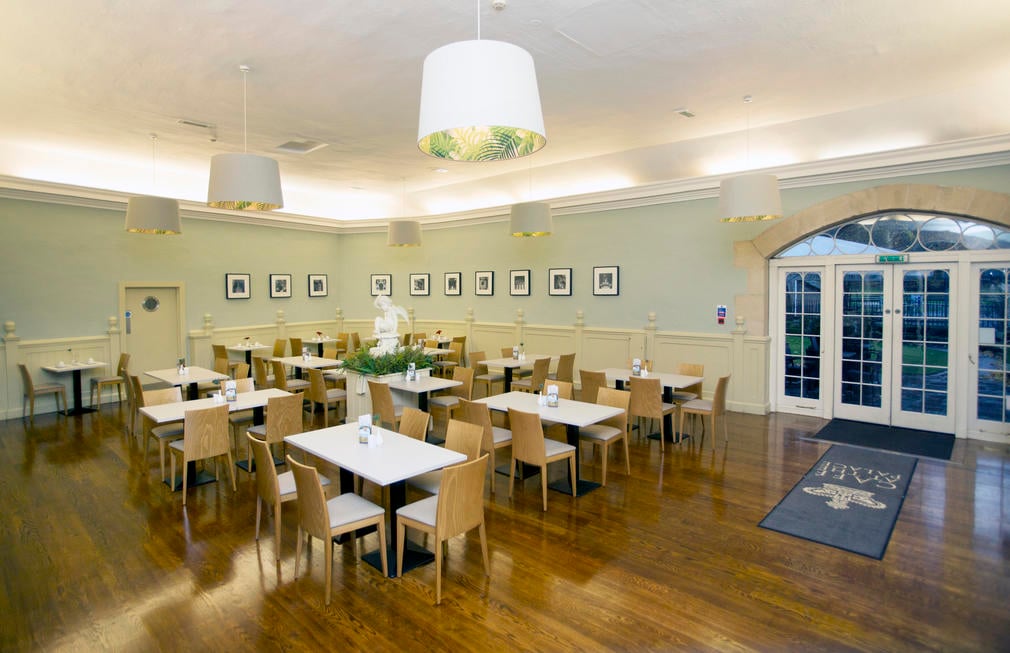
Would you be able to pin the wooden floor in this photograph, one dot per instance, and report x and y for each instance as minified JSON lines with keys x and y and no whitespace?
{"x":97,"y":554}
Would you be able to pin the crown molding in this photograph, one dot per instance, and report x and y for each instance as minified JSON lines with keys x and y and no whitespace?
{"x":958,"y":155}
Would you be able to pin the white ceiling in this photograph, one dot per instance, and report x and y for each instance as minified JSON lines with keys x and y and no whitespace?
{"x":86,"y":81}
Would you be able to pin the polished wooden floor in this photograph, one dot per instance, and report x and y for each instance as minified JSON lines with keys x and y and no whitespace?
{"x":97,"y":554}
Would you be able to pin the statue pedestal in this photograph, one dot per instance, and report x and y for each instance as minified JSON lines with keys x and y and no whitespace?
{"x":359,"y":400}
{"x":387,"y":344}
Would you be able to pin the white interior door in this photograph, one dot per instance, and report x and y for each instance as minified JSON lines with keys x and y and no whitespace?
{"x":989,"y":372}
{"x":152,"y":326}
{"x":895,"y":340}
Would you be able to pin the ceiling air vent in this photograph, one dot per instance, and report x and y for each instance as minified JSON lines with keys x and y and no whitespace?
{"x":300,"y":147}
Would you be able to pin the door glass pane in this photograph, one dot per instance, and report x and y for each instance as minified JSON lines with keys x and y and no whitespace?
{"x":863,"y":300}
{"x":924,"y":376}
{"x":803,"y":340}
{"x":992,"y":350}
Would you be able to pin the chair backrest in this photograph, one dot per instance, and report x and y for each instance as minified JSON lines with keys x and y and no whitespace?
{"x":266,"y":473}
{"x":280,"y":344}
{"x":414,"y":423}
{"x":647,"y":364}
{"x":591,"y":384}
{"x":284,"y":417}
{"x":618,"y":399}
{"x":244,"y":384}
{"x":719,"y":399}
{"x":646,"y":397}
{"x":415,"y":338}
{"x":463,"y":437}
{"x":382,"y":402}
{"x":205,"y":433}
{"x":219,"y":351}
{"x":353,"y":342}
{"x":296,"y":346}
{"x":479,"y":414}
{"x":123,"y":366}
{"x":465,"y":376}
{"x":221,"y":365}
{"x":313,"y":516}
{"x":138,"y":390}
{"x":317,"y":386}
{"x":527,"y":437}
{"x":26,"y":379}
{"x":280,"y":376}
{"x":455,"y":354}
{"x":461,"y":498}
{"x":331,"y":352}
{"x":162,"y":396}
{"x":462,"y":346}
{"x":506,"y":352}
{"x":692,"y":369}
{"x":477,"y":359}
{"x":565,"y":388}
{"x":241,"y":370}
{"x":540,"y":368}
{"x":566,"y":368}
{"x":260,"y":373}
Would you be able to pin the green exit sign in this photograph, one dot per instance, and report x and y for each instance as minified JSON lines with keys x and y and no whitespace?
{"x":892,"y":258}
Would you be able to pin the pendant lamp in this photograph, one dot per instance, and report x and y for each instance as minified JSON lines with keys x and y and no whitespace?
{"x":531,"y":219}
{"x":146,"y":214}
{"x":404,"y":233}
{"x":749,"y":197}
{"x":244,"y":181}
{"x":480,"y":102}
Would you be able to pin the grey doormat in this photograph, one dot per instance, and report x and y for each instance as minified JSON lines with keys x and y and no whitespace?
{"x":892,"y":438}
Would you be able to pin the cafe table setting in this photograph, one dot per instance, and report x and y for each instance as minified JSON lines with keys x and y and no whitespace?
{"x":76,"y":368}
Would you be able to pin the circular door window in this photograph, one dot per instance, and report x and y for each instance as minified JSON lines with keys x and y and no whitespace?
{"x":151,"y":303}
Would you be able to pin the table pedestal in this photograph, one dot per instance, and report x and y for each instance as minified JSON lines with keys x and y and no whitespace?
{"x":78,"y":393}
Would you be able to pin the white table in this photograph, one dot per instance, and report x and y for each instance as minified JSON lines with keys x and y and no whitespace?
{"x":573,"y":414}
{"x":76,"y":368}
{"x":422,"y":387}
{"x":435,"y":352}
{"x":193,"y":377}
{"x":247,"y":349}
{"x":669,"y":382}
{"x":391,"y":464}
{"x":311,"y":363}
{"x":319,"y":342}
{"x":509,"y":364}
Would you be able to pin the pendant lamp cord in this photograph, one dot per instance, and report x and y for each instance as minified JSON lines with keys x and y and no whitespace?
{"x":245,"y":120}
{"x":747,"y":99}
{"x":477,"y":5}
{"x":154,"y":163}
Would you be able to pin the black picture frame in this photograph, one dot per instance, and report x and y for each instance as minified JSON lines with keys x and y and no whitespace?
{"x":319,"y":285}
{"x":483,"y":283}
{"x":453,"y":284}
{"x":559,"y":281}
{"x":607,"y":280}
{"x":280,"y":286}
{"x":519,"y":283}
{"x":419,"y":284}
{"x":237,"y":285}
{"x":382,"y":284}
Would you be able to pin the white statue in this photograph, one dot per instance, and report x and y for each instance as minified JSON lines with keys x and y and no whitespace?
{"x":386,"y":325}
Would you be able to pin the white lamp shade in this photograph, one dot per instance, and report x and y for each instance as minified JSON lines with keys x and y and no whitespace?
{"x":531,"y":219}
{"x":244,"y":182}
{"x":153,"y":215}
{"x":480,"y":102}
{"x":404,"y":233}
{"x":749,"y":198}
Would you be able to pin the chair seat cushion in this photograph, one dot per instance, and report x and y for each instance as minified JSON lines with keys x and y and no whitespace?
{"x":47,"y":387}
{"x":259,"y":431}
{"x":286,"y":484}
{"x":489,"y":378}
{"x":294,"y":385}
{"x":523,"y":384}
{"x":336,"y":394}
{"x":429,"y":482}
{"x":681,"y":397}
{"x":445,"y":401}
{"x":556,"y":447}
{"x":698,"y":404}
{"x":349,"y":508}
{"x":241,"y":417}
{"x":501,"y":435}
{"x":168,"y":431}
{"x":600,"y":432}
{"x":420,"y":511}
{"x":106,"y":380}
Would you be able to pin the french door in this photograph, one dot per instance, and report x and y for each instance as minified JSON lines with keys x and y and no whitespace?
{"x":894,"y":345}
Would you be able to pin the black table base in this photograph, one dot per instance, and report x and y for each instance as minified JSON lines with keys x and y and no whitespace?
{"x":193,"y":478}
{"x":78,"y":394}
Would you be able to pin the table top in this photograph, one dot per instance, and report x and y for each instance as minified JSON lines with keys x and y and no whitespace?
{"x":192,"y":375}
{"x":314,"y":362}
{"x":243,"y":401}
{"x":245,"y":346}
{"x":512,"y":362}
{"x":568,"y":411}
{"x":398,"y":458}
{"x":71,"y":366}
{"x":423,"y":384}
{"x":318,"y":339}
{"x":665,"y":379}
{"x":436,"y":352}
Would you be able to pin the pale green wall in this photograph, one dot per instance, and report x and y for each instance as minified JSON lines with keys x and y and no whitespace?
{"x":60,"y":266}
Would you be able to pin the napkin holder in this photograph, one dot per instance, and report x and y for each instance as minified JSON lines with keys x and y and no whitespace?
{"x":230,"y":390}
{"x":636,"y":367}
{"x":552,"y":396}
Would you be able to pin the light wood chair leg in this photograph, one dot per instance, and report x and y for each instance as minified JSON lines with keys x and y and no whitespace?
{"x":401,"y":532}
{"x":491,"y":460}
{"x":298,"y":551}
{"x":438,"y":573}
{"x":606,"y":453}
{"x":185,"y":474}
{"x":627,"y":457}
{"x":543,"y":485}
{"x":571,"y":470}
{"x":512,"y":476}
{"x":483,"y":549}
{"x":259,"y":510}
{"x":382,"y":547}
{"x":329,"y":570}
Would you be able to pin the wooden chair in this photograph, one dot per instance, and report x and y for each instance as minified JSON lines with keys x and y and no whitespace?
{"x":535,"y":383}
{"x":416,"y":338}
{"x":284,"y":418}
{"x":31,"y":390}
{"x":282,"y":382}
{"x":530,"y":446}
{"x":280,"y":346}
{"x":119,"y":381}
{"x":382,"y":404}
{"x":460,"y":437}
{"x":556,"y":430}
{"x":609,"y":431}
{"x":449,"y":401}
{"x":344,"y":513}
{"x":413,"y":423}
{"x":205,"y":436}
{"x":591,"y":384}
{"x":462,"y":349}
{"x":320,"y":394}
{"x":272,"y":488}
{"x":450,"y":360}
{"x":353,"y":342}
{"x":242,"y":418}
{"x":296,"y":346}
{"x":162,"y":433}
{"x":457,"y":509}
{"x":220,"y":351}
{"x":331,"y":351}
{"x":207,"y":388}
{"x":482,"y":375}
{"x":692,"y":391}
{"x":263,"y":380}
{"x":518,"y":373}
{"x":647,"y":364}
{"x":492,"y":437}
{"x":647,"y":401}
{"x":566,"y":368}
{"x":715,"y":409}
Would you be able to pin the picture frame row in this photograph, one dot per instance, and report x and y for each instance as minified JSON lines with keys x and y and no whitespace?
{"x":605,"y":282}
{"x":238,"y":285}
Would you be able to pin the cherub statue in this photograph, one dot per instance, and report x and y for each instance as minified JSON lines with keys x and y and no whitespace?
{"x":386,"y":325}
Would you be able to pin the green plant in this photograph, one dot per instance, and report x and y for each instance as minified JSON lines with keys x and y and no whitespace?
{"x":363,"y":362}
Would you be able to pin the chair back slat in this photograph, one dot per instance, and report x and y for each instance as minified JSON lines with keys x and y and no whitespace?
{"x":465,"y":438}
{"x":414,"y":423}
{"x":205,"y":433}
{"x":566,"y":368}
{"x":479,"y":414}
{"x":646,"y":397}
{"x":527,"y":438}
{"x":266,"y":473}
{"x":617,"y":399}
{"x":465,"y":376}
{"x":591,"y":383}
{"x":284,"y":417}
{"x":312,"y":513}
{"x":461,"y":498}
{"x":382,"y":402}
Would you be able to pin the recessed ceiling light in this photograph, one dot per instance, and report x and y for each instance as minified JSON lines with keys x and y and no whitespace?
{"x":301,"y":147}
{"x":683,"y":111}
{"x":440,"y":170}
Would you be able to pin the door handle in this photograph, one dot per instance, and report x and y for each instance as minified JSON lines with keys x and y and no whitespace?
{"x":971,"y":359}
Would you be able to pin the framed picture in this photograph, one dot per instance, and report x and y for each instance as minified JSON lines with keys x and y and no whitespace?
{"x":453,"y":283}
{"x":519,"y":282}
{"x":382,"y":284}
{"x":236,"y":285}
{"x":419,"y":283}
{"x":483,"y":282}
{"x":280,"y":285}
{"x":318,"y":285}
{"x":606,"y":280}
{"x":559,"y":281}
